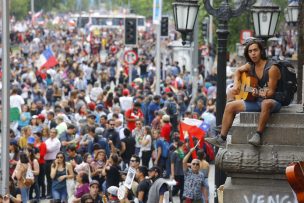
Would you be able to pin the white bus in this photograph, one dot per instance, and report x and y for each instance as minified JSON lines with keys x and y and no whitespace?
{"x":114,"y":21}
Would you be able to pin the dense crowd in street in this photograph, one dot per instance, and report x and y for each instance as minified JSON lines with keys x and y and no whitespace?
{"x":82,"y":128}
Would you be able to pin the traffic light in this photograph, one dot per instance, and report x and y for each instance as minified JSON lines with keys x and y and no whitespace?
{"x":164,"y":26}
{"x":130,"y":31}
{"x":205,"y":30}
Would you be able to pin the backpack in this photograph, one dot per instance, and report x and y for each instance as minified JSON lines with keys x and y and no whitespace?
{"x":29,"y":177}
{"x":287,"y":85}
{"x":49,"y":94}
{"x":165,"y":149}
{"x":171,"y":109}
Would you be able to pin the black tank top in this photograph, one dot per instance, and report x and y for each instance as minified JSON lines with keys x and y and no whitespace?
{"x":262,"y":82}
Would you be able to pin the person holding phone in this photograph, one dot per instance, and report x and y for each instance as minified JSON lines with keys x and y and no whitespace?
{"x":60,"y":172}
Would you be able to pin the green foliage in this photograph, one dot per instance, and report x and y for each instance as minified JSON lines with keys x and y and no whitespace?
{"x":19,"y":8}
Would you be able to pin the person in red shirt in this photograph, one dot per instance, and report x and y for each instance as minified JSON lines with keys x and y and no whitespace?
{"x":42,"y":151}
{"x":132,"y":115}
{"x":166,"y":128}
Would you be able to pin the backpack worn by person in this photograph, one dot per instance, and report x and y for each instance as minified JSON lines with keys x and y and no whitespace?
{"x":165,"y":149}
{"x":29,"y":178}
{"x":287,"y":85}
{"x":171,"y":109}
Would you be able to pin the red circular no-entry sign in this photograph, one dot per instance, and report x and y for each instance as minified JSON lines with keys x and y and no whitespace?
{"x":130,"y":57}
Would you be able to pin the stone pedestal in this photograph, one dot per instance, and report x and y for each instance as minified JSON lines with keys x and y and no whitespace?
{"x":257,"y":174}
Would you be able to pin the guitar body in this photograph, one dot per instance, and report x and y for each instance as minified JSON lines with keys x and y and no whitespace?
{"x":247,"y":83}
{"x":295,"y":178}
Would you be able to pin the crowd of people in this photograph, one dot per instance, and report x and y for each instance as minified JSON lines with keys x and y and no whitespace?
{"x":80,"y":123}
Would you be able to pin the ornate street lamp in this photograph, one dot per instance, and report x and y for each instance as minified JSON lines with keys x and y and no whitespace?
{"x":265,"y":16}
{"x":223,"y":13}
{"x":292,"y":12}
{"x":185,"y":14}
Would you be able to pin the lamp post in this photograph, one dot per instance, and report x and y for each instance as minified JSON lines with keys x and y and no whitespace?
{"x":291,"y":14}
{"x":185,"y":15}
{"x":223,"y":13}
{"x":265,"y":16}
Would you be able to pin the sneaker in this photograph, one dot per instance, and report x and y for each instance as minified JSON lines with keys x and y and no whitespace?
{"x":216,"y":141}
{"x":255,"y":140}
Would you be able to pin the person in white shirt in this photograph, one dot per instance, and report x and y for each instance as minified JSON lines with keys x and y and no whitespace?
{"x":96,"y":91}
{"x":53,"y":147}
{"x":126,"y":101}
{"x":16,"y":101}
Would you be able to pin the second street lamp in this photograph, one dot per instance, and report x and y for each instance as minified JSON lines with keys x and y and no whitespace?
{"x":265,"y":16}
{"x":293,"y":12}
{"x":185,"y":14}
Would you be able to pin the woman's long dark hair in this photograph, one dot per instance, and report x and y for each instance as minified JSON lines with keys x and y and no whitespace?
{"x":61,"y":153}
{"x":24,"y":158}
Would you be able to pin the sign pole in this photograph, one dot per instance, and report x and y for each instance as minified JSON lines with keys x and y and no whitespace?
{"x":130,"y":73}
{"x":5,"y":127}
{"x":157,"y":13}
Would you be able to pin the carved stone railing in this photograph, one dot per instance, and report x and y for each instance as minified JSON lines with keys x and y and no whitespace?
{"x":257,"y":174}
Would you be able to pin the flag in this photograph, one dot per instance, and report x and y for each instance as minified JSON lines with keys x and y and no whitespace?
{"x":196,"y":128}
{"x":36,"y":16}
{"x":47,"y":59}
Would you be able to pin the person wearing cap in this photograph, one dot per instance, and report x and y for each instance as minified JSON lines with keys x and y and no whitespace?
{"x":94,"y":191}
{"x":144,"y":184}
{"x":90,"y":122}
{"x":195,"y":187}
{"x":159,"y":186}
{"x":125,"y":100}
{"x":112,"y":194}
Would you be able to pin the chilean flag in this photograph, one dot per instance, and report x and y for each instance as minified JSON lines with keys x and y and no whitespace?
{"x":46,"y":60}
{"x":193,"y":127}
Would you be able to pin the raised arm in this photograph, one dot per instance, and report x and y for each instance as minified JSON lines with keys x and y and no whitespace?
{"x":186,"y":158}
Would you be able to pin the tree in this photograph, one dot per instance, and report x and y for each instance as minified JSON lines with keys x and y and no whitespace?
{"x":19,"y":8}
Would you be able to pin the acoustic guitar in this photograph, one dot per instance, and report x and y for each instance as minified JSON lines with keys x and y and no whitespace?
{"x":248,"y":83}
{"x":295,"y":178}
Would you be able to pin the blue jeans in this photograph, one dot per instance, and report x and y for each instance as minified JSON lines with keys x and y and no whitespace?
{"x":60,"y":194}
{"x":24,"y":194}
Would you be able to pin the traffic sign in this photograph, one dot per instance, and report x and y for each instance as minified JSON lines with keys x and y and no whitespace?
{"x":130,"y":57}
